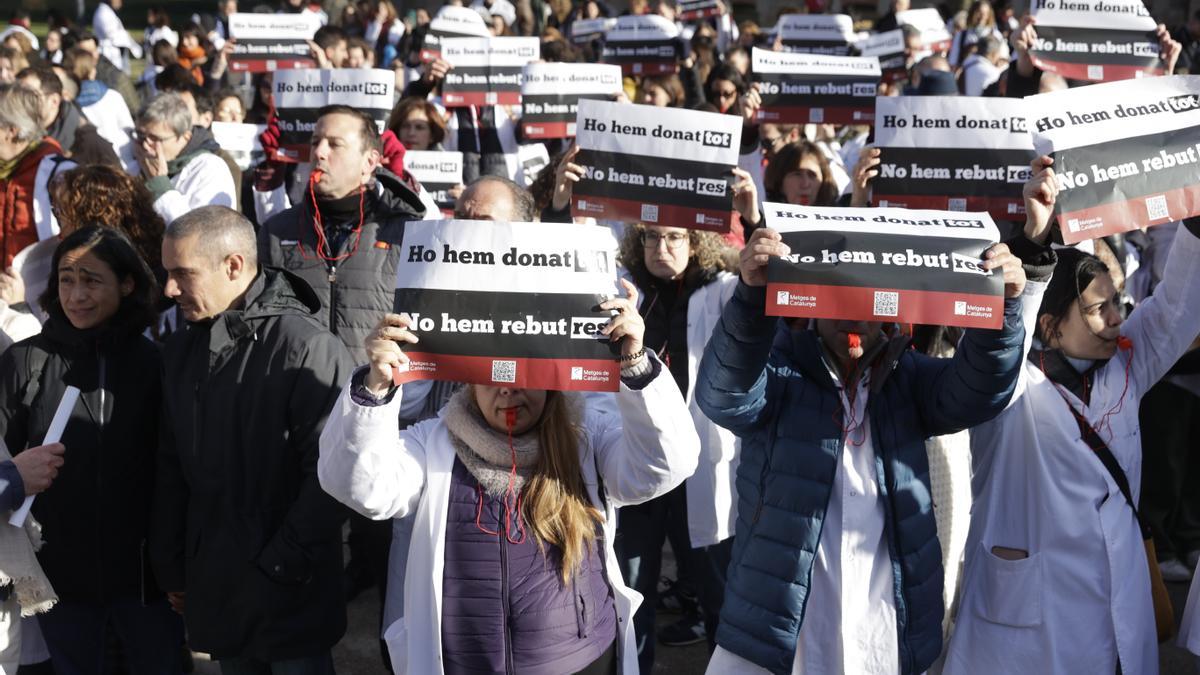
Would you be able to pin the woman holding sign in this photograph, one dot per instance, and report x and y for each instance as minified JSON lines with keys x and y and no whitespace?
{"x":1056,"y":578}
{"x":100,"y":299}
{"x":511,"y":567}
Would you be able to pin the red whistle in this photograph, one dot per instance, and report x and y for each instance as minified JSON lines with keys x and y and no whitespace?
{"x":315,"y":176}
{"x":510,"y":418}
{"x":854,"y":340}
{"x":1124,"y":343}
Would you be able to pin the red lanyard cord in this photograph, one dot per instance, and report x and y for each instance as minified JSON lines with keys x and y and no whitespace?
{"x":323,"y":252}
{"x":1123,"y":344}
{"x":512,"y":499}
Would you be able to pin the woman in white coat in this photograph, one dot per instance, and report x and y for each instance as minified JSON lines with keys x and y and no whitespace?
{"x":521,"y":465}
{"x":1056,"y":578}
{"x":682,"y":277}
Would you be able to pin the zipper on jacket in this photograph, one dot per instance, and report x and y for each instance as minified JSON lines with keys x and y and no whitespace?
{"x":507,"y":632}
{"x":333,"y":298}
{"x":99,"y":511}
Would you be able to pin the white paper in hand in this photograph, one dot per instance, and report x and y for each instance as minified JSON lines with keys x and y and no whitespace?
{"x":53,"y":435}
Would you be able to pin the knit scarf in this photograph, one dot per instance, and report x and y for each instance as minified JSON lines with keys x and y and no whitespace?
{"x":18,"y":564}
{"x":7,"y":168}
{"x":484,"y":451}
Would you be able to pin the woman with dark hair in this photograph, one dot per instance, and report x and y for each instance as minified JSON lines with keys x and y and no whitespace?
{"x":724,"y":87}
{"x":418,"y":124}
{"x":100,"y":300}
{"x":664,"y":91}
{"x":1055,"y":550}
{"x":800,"y":174}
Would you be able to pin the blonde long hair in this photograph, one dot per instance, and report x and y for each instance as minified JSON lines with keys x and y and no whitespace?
{"x":556,"y":506}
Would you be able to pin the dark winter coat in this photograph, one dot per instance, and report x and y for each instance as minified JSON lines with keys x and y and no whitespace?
{"x":240,"y":522}
{"x":356,"y":291}
{"x":96,"y":513}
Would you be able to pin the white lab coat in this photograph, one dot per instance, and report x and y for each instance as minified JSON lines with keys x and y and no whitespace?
{"x":644,"y":446}
{"x":1082,"y":596}
{"x":204,"y":181}
{"x":112,"y":37}
{"x":711,"y":496}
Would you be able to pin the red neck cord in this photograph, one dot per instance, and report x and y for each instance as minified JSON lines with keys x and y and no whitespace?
{"x":323,"y":251}
{"x":511,"y":499}
{"x":1123,"y":344}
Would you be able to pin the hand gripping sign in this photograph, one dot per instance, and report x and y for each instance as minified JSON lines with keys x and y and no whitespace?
{"x":884,"y":265}
{"x":659,"y":166}
{"x":509,"y":303}
{"x":1125,"y":153}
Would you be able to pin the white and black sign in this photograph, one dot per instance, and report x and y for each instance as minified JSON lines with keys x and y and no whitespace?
{"x":813,"y":88}
{"x":586,"y":30}
{"x":437,"y":172}
{"x":551,"y":92}
{"x":934,"y":35}
{"x":645,"y":44}
{"x":1097,"y":40}
{"x":300,"y":94}
{"x":659,"y":166}
{"x":241,"y":141}
{"x":1125,"y":153}
{"x":830,"y":34}
{"x":698,"y":10}
{"x":487,"y":71}
{"x":451,"y":21}
{"x":270,"y":42}
{"x":509,"y":303}
{"x":890,"y":49}
{"x":954,"y":153}
{"x":892,"y":265}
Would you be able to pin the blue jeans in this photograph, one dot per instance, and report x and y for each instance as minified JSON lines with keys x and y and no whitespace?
{"x":308,"y":665}
{"x":76,"y":634}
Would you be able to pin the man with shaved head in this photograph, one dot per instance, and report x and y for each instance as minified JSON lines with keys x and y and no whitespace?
{"x":244,"y":540}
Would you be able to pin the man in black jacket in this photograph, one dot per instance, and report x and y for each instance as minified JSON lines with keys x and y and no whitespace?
{"x":244,"y":539}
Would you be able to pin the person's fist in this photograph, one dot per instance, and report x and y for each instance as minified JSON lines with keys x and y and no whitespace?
{"x":39,"y":466}
{"x":384,"y":353}
{"x":764,"y":244}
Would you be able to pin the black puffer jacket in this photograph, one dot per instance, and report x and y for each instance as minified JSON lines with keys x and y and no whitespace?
{"x":240,"y":522}
{"x":356,"y":291}
{"x":96,"y":512}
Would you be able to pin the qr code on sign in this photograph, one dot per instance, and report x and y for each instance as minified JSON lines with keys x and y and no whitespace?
{"x":957,"y":204}
{"x":1156,"y":207}
{"x":887,"y":303}
{"x":504,"y":371}
{"x":650,"y":213}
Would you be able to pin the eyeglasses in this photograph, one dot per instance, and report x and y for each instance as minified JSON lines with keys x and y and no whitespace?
{"x":139,"y":136}
{"x":651,"y":240}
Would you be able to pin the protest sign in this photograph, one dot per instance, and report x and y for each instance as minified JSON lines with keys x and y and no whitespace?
{"x":487,"y":71}
{"x":660,"y":166}
{"x":958,"y":153}
{"x":531,"y":158}
{"x":450,"y":22}
{"x":509,"y":303}
{"x":586,"y":30}
{"x":1097,"y":40}
{"x":269,"y":42}
{"x":646,"y":44}
{"x":299,"y":94}
{"x":813,"y":88}
{"x":437,"y":172}
{"x":551,"y":91}
{"x":241,"y":141}
{"x":1125,"y":153}
{"x":884,"y":265}
{"x":889,"y":49}
{"x":934,"y":35}
{"x":698,"y":10}
{"x":830,"y":34}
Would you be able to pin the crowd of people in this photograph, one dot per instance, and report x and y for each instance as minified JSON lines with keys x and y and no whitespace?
{"x":839,"y":496}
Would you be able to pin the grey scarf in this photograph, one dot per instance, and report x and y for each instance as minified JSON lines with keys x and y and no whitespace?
{"x":486,"y":452}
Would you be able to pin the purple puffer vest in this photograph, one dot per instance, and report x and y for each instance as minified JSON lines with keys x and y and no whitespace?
{"x":504,"y":606}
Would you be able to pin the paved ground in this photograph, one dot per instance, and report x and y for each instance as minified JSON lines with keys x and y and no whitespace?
{"x":358,"y":654}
